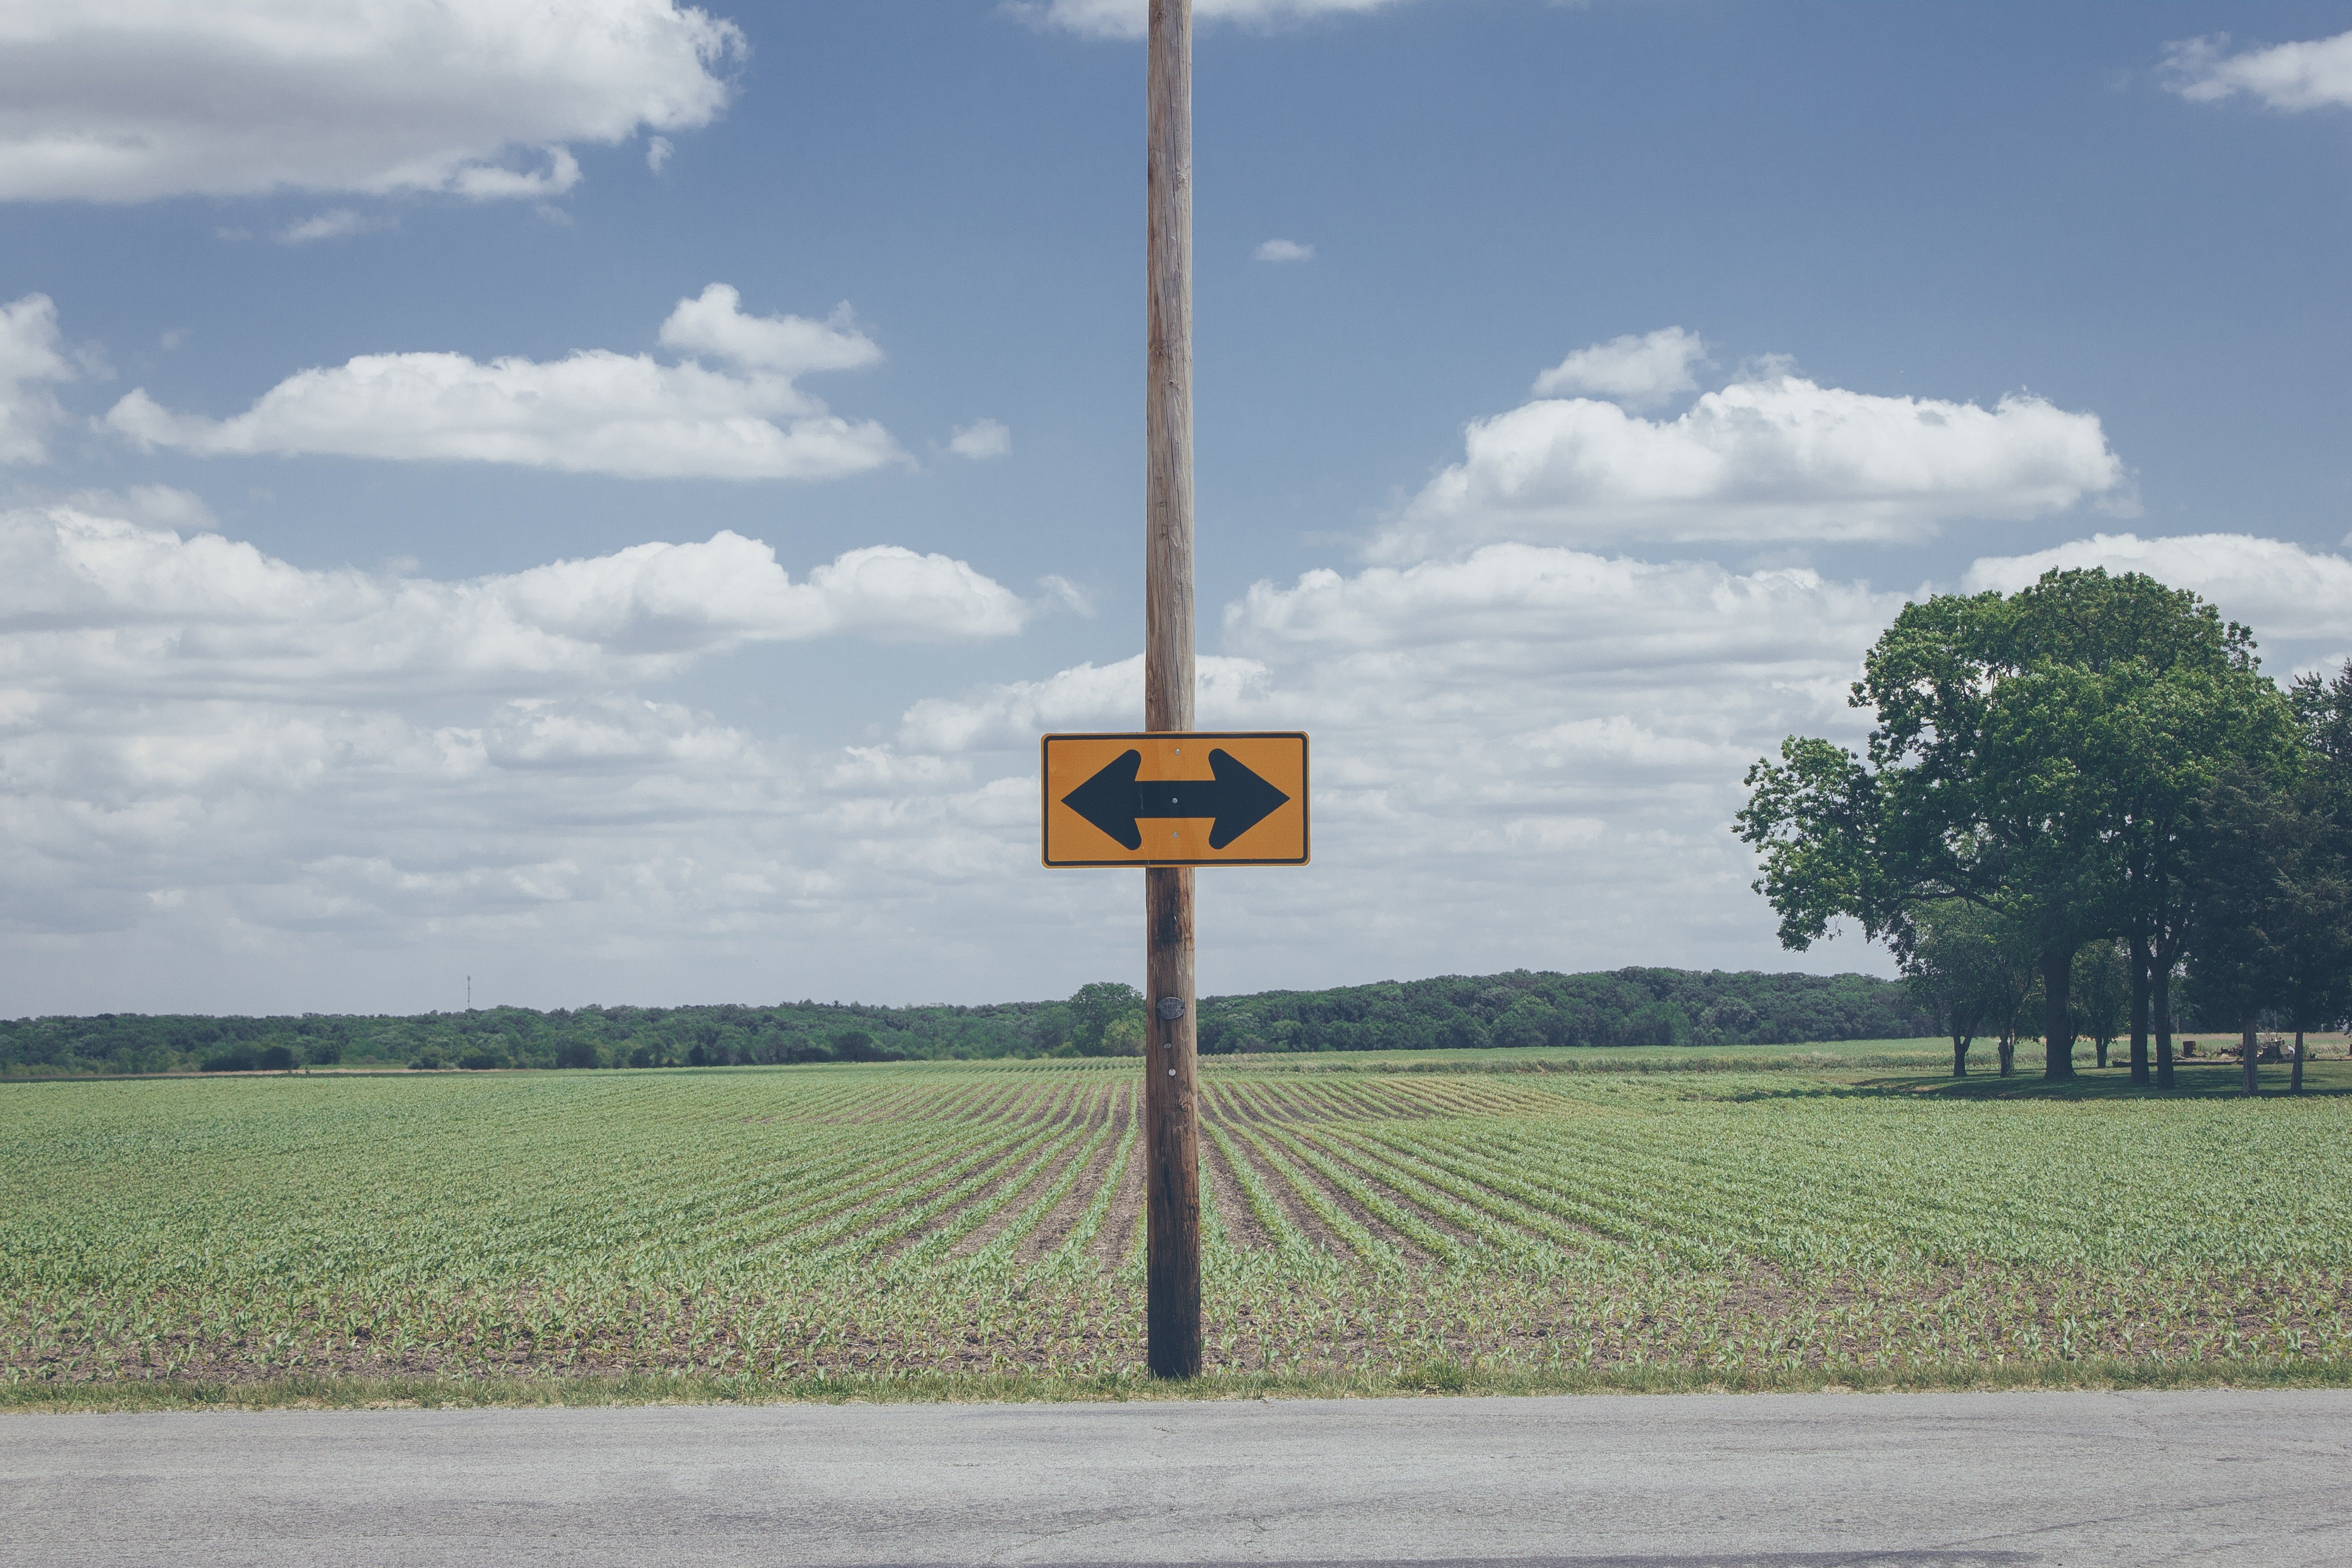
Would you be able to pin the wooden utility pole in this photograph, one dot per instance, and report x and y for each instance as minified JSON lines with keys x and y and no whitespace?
{"x":1171,"y":1110}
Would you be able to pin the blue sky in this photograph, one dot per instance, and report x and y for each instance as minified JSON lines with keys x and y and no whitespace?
{"x":1623,"y":368}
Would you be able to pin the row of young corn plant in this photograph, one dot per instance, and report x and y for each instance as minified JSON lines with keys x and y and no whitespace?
{"x":902,"y":1217}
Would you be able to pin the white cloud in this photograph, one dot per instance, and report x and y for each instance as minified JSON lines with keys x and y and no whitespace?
{"x":227,"y":781}
{"x":713,"y":323}
{"x":336,"y":222}
{"x":2313,"y":75}
{"x":1638,"y":372}
{"x":132,"y":99}
{"x":1086,"y":696}
{"x":240,"y":776}
{"x":2286,"y":593}
{"x":113,"y":601}
{"x":31,"y":354}
{"x":1529,"y":755}
{"x":596,"y":411}
{"x":1126,"y":18}
{"x":1778,"y":457}
{"x":493,"y":182}
{"x":657,"y":152}
{"x":1285,"y":250}
{"x":979,"y":439}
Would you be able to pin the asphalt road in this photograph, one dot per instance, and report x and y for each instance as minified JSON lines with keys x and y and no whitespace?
{"x":1957,"y":1481}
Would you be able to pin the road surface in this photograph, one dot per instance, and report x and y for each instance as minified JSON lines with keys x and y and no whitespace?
{"x":1816,"y":1480}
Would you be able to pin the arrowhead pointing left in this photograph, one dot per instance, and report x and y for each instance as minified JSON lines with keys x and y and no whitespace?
{"x":1108,"y":799}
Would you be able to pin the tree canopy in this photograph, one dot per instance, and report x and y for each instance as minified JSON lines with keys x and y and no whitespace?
{"x":2040,"y":756}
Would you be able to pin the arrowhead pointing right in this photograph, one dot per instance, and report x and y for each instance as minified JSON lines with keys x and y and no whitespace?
{"x":1243,"y":799}
{"x":1108,"y":799}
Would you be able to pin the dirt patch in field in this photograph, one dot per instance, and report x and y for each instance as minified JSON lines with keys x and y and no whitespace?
{"x":1308,"y":1222}
{"x":1440,"y":1224}
{"x":1243,"y":1227}
{"x":1005,"y":1218}
{"x":1117,"y":1233}
{"x":1512,"y":1218}
{"x":1407,"y":1248}
{"x":1056,"y":1227}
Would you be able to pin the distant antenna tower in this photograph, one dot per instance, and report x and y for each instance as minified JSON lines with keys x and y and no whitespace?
{"x":470,"y":994}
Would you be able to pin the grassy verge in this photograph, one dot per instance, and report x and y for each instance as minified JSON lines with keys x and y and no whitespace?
{"x":1427,"y":1378}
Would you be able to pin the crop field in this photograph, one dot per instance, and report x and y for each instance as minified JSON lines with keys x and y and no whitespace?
{"x":921,"y":1218}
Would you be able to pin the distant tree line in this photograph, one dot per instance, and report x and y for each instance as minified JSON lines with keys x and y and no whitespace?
{"x":1625,"y":1007}
{"x":2083,"y":809}
{"x":1622,"y":1007}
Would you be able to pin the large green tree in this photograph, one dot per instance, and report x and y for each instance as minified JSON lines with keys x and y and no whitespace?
{"x":2319,"y":987}
{"x":1097,"y":1013}
{"x":2102,"y":993}
{"x":1961,"y":965}
{"x":2244,"y":870}
{"x":2323,"y":708}
{"x":2030,"y":756}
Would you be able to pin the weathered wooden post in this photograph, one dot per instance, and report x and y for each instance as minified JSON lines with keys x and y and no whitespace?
{"x":1171,"y":1110}
{"x":1168,"y":798}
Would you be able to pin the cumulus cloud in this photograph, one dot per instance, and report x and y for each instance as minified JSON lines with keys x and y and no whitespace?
{"x":1638,"y":372}
{"x":1528,"y":755}
{"x":31,"y":357}
{"x":2289,"y":595}
{"x":1285,"y":250}
{"x":118,"y":600}
{"x":1127,"y":18}
{"x":1775,"y":457}
{"x":235,"y":776}
{"x":713,"y":323}
{"x":1088,"y":695}
{"x":596,"y":412}
{"x":2313,"y":75}
{"x":336,"y":222}
{"x":300,"y":785}
{"x":979,"y":439}
{"x":134,"y":100}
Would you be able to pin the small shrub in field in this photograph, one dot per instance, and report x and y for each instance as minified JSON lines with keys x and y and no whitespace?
{"x":576,"y":1054}
{"x":274,"y":1058}
{"x":235,"y":1059}
{"x":323,"y":1053}
{"x":429,"y":1059}
{"x":481,"y":1060}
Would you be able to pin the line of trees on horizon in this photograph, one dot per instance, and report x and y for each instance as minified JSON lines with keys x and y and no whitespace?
{"x":2081,"y":795}
{"x":1522,"y":1008}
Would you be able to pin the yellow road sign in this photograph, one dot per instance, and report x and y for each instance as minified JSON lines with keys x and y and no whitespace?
{"x":1214,"y":798}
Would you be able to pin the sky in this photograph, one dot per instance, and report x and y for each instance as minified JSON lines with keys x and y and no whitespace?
{"x":598,"y":499}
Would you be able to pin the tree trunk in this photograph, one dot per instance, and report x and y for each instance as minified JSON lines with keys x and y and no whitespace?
{"x":2139,"y":1009}
{"x":2295,"y":1079}
{"x":2103,"y":1051}
{"x":2007,"y":1056}
{"x":2058,"y":1017}
{"x":1961,"y":1055}
{"x":2247,"y":1057}
{"x":2160,"y":984}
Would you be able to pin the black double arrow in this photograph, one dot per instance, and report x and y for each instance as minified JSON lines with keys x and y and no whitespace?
{"x":1116,"y":801}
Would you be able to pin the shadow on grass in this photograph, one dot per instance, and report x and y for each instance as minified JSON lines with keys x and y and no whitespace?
{"x":2196,"y":1079}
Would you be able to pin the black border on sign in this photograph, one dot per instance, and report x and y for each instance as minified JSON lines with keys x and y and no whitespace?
{"x":1306,"y":795}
